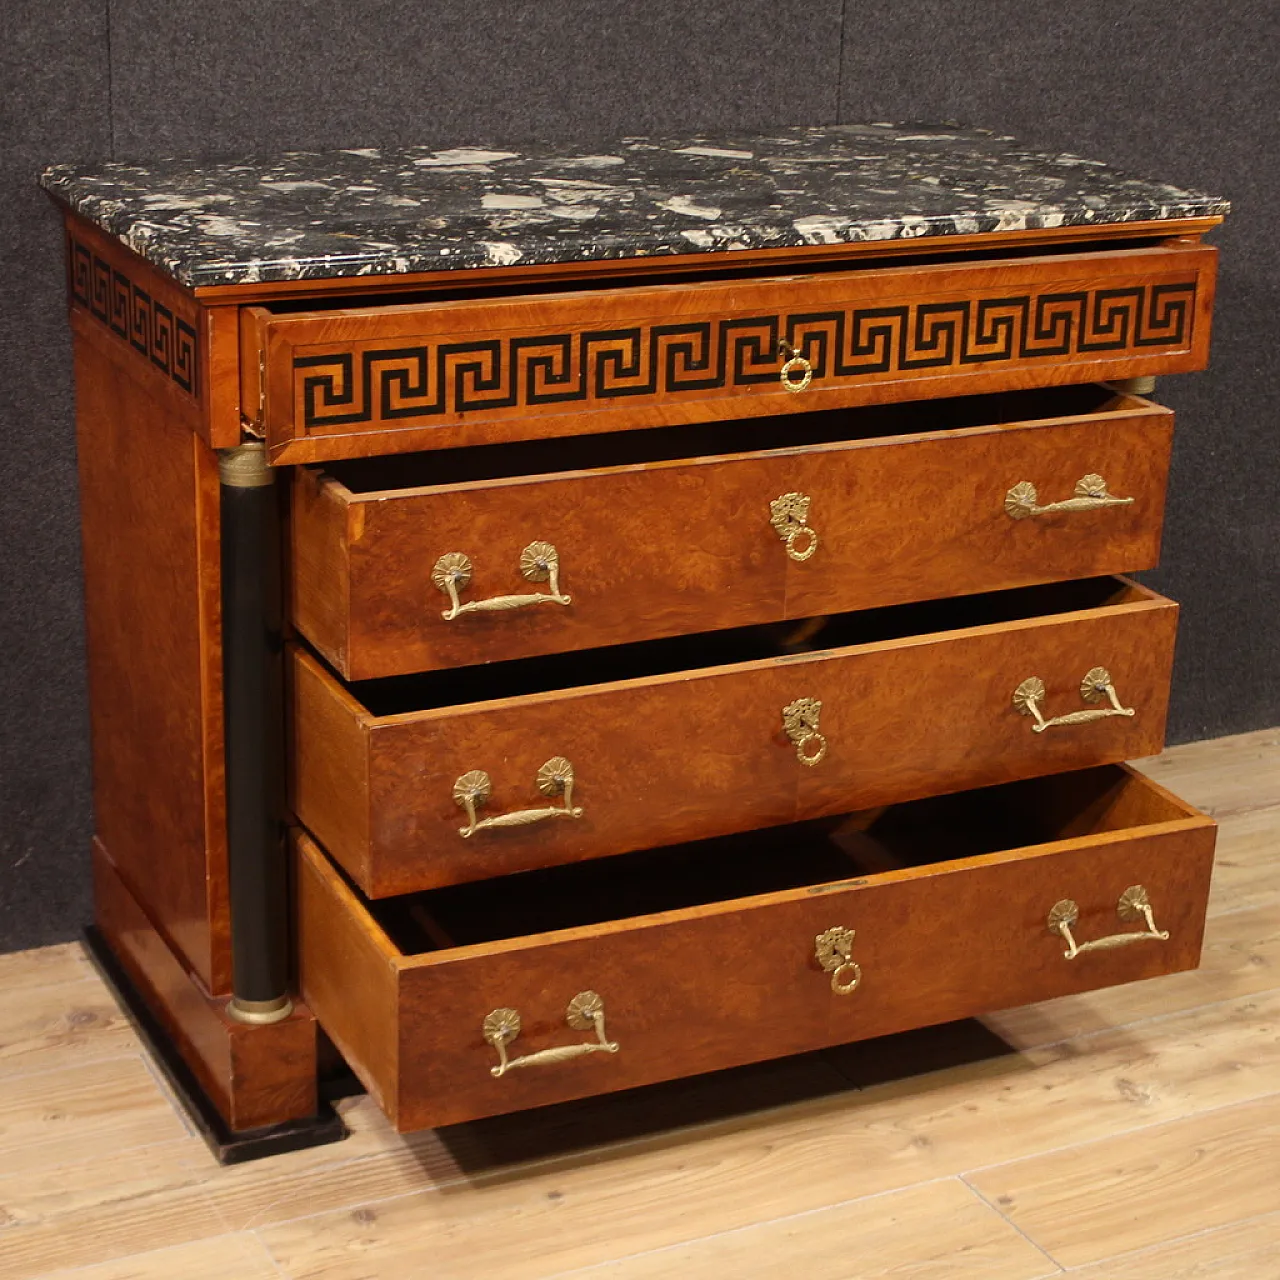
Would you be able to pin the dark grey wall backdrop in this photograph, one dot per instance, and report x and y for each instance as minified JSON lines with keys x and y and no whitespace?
{"x":1183,"y":91}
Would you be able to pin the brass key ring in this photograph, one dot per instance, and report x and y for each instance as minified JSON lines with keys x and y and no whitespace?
{"x":789,"y":516}
{"x":833,"y":951}
{"x":795,"y":362}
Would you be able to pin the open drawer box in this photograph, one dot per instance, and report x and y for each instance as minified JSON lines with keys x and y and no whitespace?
{"x":419,"y":782}
{"x":504,"y":994}
{"x":449,"y":559}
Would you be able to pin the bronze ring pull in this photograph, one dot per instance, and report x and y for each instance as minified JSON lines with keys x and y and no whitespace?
{"x":789,"y":516}
{"x":1095,"y":686}
{"x":539,"y":562}
{"x":473,"y":789}
{"x":795,"y":363}
{"x":833,"y":950}
{"x":1133,"y":905}
{"x":800,"y":723}
{"x":585,"y":1013}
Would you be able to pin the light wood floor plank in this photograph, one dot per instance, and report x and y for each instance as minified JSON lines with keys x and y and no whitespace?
{"x":59,"y":1025}
{"x":105,"y":1180}
{"x":1222,"y":775}
{"x":1109,"y":1197}
{"x":1241,"y":1251}
{"x":44,"y":966}
{"x":938,"y":1229}
{"x":1246,"y":868}
{"x":59,"y":1117}
{"x":112,"y":1230}
{"x":231,"y":1257}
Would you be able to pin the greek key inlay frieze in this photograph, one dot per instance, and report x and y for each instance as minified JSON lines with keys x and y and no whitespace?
{"x":592,"y":367}
{"x":167,"y":340}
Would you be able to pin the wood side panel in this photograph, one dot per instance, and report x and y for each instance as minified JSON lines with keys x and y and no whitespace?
{"x":319,"y":564}
{"x":222,"y":343}
{"x":703,"y":752}
{"x":709,"y":987}
{"x":155,"y":325}
{"x":437,"y":375}
{"x":624,"y":270}
{"x":348,"y":968}
{"x":328,"y":759}
{"x":676,"y":547}
{"x":253,"y":354}
{"x":255,"y":1076}
{"x":148,"y":500}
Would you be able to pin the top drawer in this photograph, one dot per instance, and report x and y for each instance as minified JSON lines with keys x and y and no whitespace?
{"x":443,"y":373}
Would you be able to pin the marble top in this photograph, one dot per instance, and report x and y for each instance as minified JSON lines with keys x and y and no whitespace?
{"x":367,"y":211}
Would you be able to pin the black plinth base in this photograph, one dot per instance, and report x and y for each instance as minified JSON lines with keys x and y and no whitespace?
{"x":229,"y":1146}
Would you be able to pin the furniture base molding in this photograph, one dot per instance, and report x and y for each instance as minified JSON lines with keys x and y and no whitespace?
{"x":250,"y":1090}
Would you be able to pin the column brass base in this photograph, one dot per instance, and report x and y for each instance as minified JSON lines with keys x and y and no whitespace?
{"x":259,"y":1012}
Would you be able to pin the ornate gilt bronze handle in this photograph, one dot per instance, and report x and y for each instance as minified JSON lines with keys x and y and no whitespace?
{"x":1133,"y":905}
{"x":800,"y":721}
{"x":555,"y":778}
{"x":833,"y":950}
{"x":1095,"y":686}
{"x":539,"y":562}
{"x":794,"y":363}
{"x":789,"y":515}
{"x":1091,"y":492}
{"x":585,"y":1013}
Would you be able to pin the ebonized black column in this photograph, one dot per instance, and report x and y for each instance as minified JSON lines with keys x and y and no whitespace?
{"x":254,"y":727}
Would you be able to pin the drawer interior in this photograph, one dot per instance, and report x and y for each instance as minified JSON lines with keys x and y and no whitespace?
{"x":877,"y":842}
{"x":718,"y":439}
{"x":396,"y":695}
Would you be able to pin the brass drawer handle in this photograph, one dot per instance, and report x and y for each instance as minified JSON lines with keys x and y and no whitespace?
{"x":1133,"y":905}
{"x":833,"y":950}
{"x":1091,"y":492}
{"x":1096,"y":685}
{"x":539,"y":562}
{"x":800,"y":721}
{"x":794,"y":363}
{"x":585,"y":1013}
{"x":473,"y":789}
{"x":789,"y":515}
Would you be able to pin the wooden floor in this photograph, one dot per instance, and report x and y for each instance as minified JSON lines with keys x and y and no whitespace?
{"x":1132,"y":1134}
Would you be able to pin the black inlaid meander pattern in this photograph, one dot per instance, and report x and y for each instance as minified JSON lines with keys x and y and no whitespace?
{"x":168,"y":341}
{"x":449,"y":378}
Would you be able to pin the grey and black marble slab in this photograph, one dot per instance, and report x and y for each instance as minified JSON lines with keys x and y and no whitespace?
{"x":364,"y":212}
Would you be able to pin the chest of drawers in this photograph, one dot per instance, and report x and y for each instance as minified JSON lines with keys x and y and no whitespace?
{"x":560,"y":621}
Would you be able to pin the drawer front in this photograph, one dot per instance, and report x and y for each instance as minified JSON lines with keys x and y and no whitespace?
{"x":442,"y":374}
{"x":706,"y":752}
{"x":679,"y":547}
{"x":737,"y":982}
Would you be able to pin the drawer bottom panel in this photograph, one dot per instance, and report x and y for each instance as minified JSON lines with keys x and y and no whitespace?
{"x":507,"y":994}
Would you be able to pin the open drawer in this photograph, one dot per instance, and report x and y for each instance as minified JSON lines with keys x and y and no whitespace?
{"x":422,"y":781}
{"x":432,"y":560}
{"x":442,"y":373}
{"x":502,"y":995}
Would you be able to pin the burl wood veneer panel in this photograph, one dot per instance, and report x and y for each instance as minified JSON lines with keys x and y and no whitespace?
{"x":149,"y":510}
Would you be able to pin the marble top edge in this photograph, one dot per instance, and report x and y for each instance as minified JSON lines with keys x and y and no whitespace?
{"x":399,"y":210}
